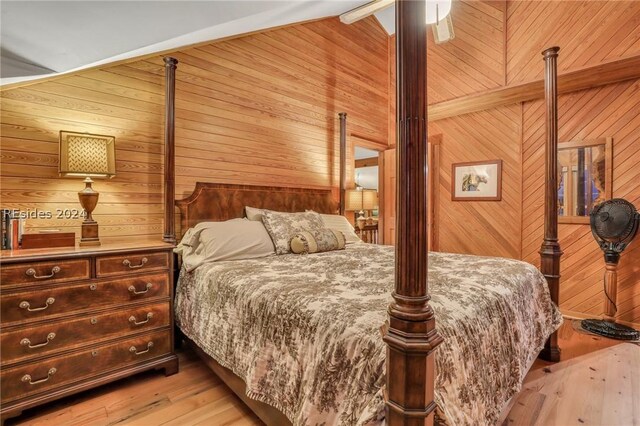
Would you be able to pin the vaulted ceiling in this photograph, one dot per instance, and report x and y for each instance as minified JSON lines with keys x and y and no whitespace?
{"x":39,"y":38}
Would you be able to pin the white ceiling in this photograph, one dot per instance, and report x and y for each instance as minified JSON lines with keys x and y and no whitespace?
{"x":44,"y":37}
{"x":361,"y":153}
{"x":387,"y":17}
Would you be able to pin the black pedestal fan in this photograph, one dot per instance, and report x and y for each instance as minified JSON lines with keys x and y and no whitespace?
{"x":614,"y":223}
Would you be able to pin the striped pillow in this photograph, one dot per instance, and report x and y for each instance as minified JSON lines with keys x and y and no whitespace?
{"x":340,"y":223}
{"x":306,"y":242}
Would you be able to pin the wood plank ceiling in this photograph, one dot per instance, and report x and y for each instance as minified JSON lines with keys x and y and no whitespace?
{"x":474,"y":60}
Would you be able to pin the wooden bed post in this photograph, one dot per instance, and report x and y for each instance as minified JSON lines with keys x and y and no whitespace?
{"x":550,"y":251}
{"x":343,"y":159}
{"x":411,"y":336}
{"x":169,"y":150}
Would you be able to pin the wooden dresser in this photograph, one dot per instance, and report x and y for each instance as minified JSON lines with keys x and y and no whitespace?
{"x":72,"y":319}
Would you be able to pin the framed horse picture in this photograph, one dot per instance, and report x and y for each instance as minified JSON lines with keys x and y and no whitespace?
{"x":476,"y":181}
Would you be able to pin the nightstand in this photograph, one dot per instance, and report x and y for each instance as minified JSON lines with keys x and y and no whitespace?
{"x":76,"y":318}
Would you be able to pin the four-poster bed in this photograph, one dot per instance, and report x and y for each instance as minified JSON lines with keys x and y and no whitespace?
{"x":410,"y":334}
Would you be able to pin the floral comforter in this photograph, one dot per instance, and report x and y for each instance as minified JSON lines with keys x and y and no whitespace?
{"x":304,"y":331}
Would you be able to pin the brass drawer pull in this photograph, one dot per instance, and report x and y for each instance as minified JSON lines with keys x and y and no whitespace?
{"x":133,"y":349}
{"x":27,"y":342}
{"x":25,"y":305}
{"x":132,"y":289}
{"x":127,"y":262}
{"x":27,"y":378}
{"x":133,"y":321}
{"x":32,"y":273}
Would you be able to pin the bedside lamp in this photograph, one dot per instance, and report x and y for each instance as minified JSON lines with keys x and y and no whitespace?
{"x":86,"y":155}
{"x":360,"y":200}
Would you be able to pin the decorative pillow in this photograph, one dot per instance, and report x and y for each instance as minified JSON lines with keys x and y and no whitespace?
{"x":235,"y":239}
{"x":340,"y":223}
{"x":307,"y":242}
{"x":283,"y":226}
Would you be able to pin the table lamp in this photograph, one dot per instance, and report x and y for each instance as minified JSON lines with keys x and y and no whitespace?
{"x":87,"y":155}
{"x":360,"y":200}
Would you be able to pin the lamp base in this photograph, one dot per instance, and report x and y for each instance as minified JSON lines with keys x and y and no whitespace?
{"x":610,"y":329}
{"x":89,"y":234}
{"x":88,"y":200}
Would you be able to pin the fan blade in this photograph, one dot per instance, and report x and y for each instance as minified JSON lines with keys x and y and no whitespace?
{"x":363,"y":11}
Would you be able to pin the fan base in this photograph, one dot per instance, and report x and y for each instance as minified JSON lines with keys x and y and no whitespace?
{"x":610,"y":329}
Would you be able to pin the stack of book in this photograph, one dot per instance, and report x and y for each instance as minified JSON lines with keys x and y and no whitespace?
{"x":12,"y":228}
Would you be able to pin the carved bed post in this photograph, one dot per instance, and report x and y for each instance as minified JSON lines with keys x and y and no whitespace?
{"x":169,"y":150}
{"x":411,"y":336}
{"x":343,"y":159}
{"x":550,"y":251}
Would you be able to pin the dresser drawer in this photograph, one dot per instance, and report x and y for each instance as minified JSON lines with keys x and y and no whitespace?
{"x":45,"y":272}
{"x":23,"y":381}
{"x":41,"y":340}
{"x":125,"y":264}
{"x":56,"y":300}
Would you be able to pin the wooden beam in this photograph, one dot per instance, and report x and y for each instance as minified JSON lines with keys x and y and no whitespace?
{"x":366,"y":162}
{"x":550,"y":251}
{"x":585,"y":78}
{"x":169,"y":150}
{"x":365,"y":10}
{"x":411,"y":336}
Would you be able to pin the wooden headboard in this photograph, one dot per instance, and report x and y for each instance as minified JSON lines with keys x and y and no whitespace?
{"x":219,"y":201}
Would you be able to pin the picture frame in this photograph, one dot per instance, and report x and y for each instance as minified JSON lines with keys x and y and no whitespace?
{"x":476,"y":181}
{"x":597,"y":190}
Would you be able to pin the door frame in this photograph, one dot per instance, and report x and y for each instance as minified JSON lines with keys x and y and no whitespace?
{"x":434,"y":154}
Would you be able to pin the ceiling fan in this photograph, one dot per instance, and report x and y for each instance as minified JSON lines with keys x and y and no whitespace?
{"x":438,"y":15}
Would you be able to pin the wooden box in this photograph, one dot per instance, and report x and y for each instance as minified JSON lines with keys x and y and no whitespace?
{"x":58,"y":239}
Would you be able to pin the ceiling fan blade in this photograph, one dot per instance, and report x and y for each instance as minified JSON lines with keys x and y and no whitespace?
{"x":363,"y":11}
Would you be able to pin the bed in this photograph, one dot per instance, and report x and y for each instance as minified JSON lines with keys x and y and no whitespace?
{"x":415,"y":306}
{"x":310,"y":343}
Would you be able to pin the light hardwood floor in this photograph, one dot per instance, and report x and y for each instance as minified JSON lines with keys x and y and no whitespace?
{"x":597,"y":383}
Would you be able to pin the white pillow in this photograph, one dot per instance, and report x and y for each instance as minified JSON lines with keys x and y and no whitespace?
{"x":253,"y":213}
{"x":340,"y":223}
{"x":234,"y":239}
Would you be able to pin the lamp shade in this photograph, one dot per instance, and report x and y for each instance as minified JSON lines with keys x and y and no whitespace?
{"x":353,"y":200}
{"x":361,"y":199}
{"x":84,"y":154}
{"x":369,"y":199}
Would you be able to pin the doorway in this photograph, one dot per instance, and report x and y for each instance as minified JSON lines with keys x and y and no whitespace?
{"x":363,"y":200}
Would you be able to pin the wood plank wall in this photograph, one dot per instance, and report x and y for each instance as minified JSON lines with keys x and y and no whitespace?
{"x":476,"y":227}
{"x":110,"y":101}
{"x":588,"y":33}
{"x":259,"y":109}
{"x":267,"y":103}
{"x":609,"y":111}
{"x":474,"y":60}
